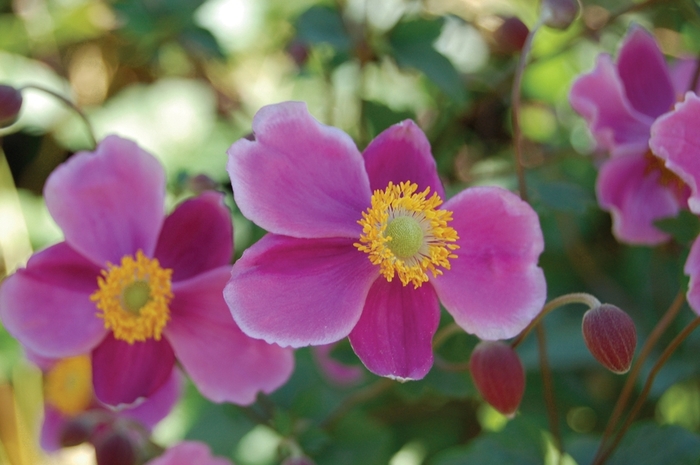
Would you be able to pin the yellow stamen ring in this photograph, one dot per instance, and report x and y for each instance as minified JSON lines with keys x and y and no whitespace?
{"x":68,"y":385}
{"x":133,"y":298}
{"x":405,"y":234}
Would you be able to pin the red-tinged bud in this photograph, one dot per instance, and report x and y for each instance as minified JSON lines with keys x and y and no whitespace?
{"x":10,"y":104}
{"x":114,"y":448}
{"x":510,"y":36}
{"x":610,"y":336}
{"x":559,"y":14}
{"x":498,"y":375}
{"x":299,"y":51}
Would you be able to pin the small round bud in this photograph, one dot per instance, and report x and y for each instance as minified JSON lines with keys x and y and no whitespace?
{"x":10,"y":104}
{"x":559,"y":14}
{"x":299,"y":51}
{"x":610,"y":335}
{"x":510,"y":36}
{"x":114,"y":448}
{"x":498,"y":375}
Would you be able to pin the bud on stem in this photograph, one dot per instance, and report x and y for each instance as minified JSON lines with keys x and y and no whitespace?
{"x":498,"y":375}
{"x":610,"y":336}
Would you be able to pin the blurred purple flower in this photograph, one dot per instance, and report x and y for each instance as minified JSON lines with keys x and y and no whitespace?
{"x":71,"y":411}
{"x":136,"y":288}
{"x":333,"y":370}
{"x":188,"y":453}
{"x":358,"y":247}
{"x":620,"y":101}
{"x":676,"y":140}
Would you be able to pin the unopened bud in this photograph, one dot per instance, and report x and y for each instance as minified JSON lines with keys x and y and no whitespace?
{"x":498,"y":375}
{"x":510,"y":36}
{"x":10,"y":104}
{"x":559,"y":14}
{"x":611,"y":337}
{"x":114,"y":448}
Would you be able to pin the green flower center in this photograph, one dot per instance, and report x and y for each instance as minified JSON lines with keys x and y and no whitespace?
{"x":136,"y":295}
{"x":406,"y":236}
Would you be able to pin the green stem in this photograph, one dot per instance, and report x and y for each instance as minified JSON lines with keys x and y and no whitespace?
{"x":627,"y":388}
{"x":573,"y":298}
{"x":68,"y":103}
{"x":601,"y":458}
{"x":548,"y":388}
{"x":362,"y":395}
{"x":515,"y":110}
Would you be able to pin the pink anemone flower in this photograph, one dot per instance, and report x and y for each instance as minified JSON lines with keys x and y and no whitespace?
{"x":70,"y":404}
{"x":620,"y":101}
{"x":360,"y":244}
{"x":675,"y":139}
{"x":136,"y":289}
{"x":188,"y":453}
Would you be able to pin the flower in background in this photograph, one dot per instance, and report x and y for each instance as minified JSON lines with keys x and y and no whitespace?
{"x":189,"y":453}
{"x":360,"y":244}
{"x":676,"y":140}
{"x":72,"y":414}
{"x":620,"y":101}
{"x":135,"y":288}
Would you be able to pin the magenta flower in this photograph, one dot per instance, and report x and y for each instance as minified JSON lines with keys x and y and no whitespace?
{"x":620,"y":102}
{"x":188,"y":453}
{"x":676,"y":140}
{"x":71,"y":411}
{"x":359,"y":245}
{"x":135,"y":288}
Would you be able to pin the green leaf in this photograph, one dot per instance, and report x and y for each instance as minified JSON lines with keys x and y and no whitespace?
{"x":650,"y":444}
{"x":518,"y":443}
{"x":684,"y":228}
{"x":357,"y":438}
{"x":563,"y":196}
{"x":412,"y":44}
{"x":378,"y":117}
{"x":320,"y":24}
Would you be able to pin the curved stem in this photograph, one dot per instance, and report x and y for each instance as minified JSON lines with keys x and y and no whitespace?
{"x":515,"y":110}
{"x":71,"y":105}
{"x":601,"y":458}
{"x":574,"y":298}
{"x":654,"y":336}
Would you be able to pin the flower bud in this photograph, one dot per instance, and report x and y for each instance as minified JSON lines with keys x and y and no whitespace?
{"x":611,"y":337}
{"x":510,"y":36}
{"x":498,"y":375}
{"x":10,"y":104}
{"x":114,"y":447}
{"x":559,"y":14}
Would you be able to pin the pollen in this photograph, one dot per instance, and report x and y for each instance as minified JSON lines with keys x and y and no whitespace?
{"x":667,"y":178}
{"x":68,"y":385}
{"x":405,"y":234}
{"x":133,"y":298}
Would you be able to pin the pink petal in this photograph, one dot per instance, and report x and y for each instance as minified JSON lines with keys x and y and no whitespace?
{"x":298,"y":292}
{"x":47,"y":306}
{"x":159,"y":404}
{"x":335,"y":371}
{"x":50,"y":436}
{"x":692,"y":269}
{"x":298,"y":177}
{"x":196,"y":237}
{"x":644,"y":74}
{"x":682,"y":72}
{"x":402,"y":153}
{"x":108,"y":203}
{"x":676,"y":139}
{"x":635,"y":198}
{"x":495,"y":287}
{"x":123,"y":373}
{"x":224,"y":364}
{"x":600,"y":98}
{"x":188,"y":453}
{"x":395,"y":333}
